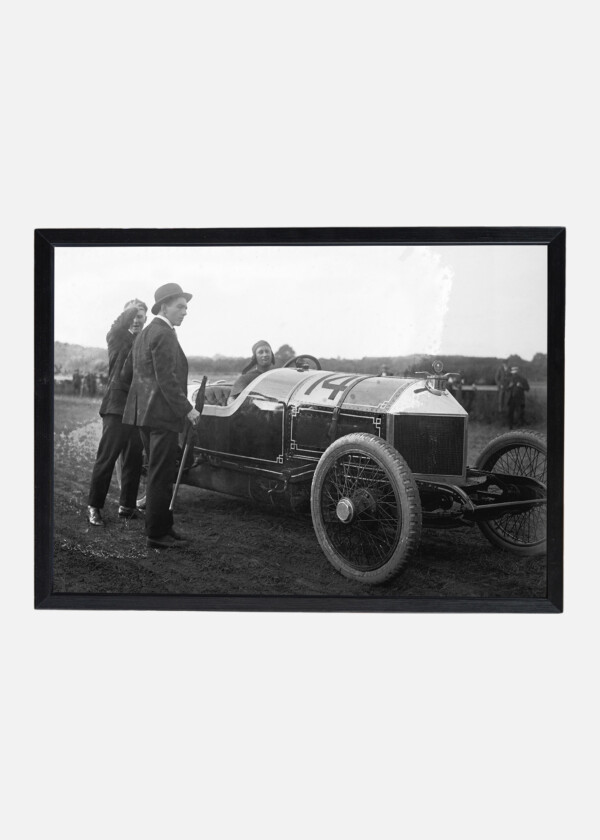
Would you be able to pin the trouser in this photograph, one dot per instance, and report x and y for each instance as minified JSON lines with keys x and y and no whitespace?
{"x":117,"y":438}
{"x":516,"y":413}
{"x":161,"y":448}
{"x":119,"y":466}
{"x":501,"y":397}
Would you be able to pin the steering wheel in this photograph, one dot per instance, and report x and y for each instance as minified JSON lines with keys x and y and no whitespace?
{"x":294,"y":361}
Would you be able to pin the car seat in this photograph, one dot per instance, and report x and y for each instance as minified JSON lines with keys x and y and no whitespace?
{"x":217,"y":394}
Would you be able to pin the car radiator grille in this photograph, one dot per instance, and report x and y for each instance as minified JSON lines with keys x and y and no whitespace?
{"x":431,"y":445}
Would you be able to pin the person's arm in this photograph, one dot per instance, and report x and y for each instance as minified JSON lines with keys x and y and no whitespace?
{"x":121,"y":325}
{"x":240,"y":383}
{"x":125,"y":375}
{"x":123,"y":321}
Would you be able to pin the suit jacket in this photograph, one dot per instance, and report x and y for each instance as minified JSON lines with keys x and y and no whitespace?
{"x":159,"y":370}
{"x":119,"y":341}
{"x":502,"y":376}
{"x":517,"y":385}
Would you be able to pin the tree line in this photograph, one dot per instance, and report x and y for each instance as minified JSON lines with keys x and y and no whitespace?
{"x":481,"y":370}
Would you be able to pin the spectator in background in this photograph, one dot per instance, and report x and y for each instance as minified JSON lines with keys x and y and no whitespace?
{"x":91,"y":383}
{"x":76,"y":382}
{"x":455,"y":386}
{"x":501,"y":379}
{"x":516,"y":388}
{"x":116,"y":437}
{"x":84,"y":388}
{"x":470,"y":396}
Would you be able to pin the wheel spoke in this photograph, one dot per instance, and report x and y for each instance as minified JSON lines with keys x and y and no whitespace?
{"x":522,"y":460}
{"x":370,"y":538}
{"x":525,"y":528}
{"x":523,"y":456}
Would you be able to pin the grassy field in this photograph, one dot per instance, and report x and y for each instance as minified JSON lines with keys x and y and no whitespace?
{"x":238,"y":548}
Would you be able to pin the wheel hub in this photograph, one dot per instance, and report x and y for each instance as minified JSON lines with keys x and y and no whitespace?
{"x":345,"y":510}
{"x":350,"y":506}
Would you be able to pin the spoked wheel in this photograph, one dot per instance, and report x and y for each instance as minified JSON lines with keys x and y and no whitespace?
{"x":519,"y":453}
{"x":366,"y":509}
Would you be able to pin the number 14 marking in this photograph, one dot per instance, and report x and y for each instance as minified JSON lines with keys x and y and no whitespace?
{"x":331,"y":383}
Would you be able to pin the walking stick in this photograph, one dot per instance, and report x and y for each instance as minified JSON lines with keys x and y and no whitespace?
{"x":199,"y":405}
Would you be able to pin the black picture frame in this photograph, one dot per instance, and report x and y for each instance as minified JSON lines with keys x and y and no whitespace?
{"x":45,"y":243}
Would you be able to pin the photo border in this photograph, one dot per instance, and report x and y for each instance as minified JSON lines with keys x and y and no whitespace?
{"x":46,"y":240}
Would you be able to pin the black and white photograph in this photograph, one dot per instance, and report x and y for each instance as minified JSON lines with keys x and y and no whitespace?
{"x":298,"y":431}
{"x":364,"y":421}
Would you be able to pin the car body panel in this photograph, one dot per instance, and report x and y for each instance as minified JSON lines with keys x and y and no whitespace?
{"x":286,"y":417}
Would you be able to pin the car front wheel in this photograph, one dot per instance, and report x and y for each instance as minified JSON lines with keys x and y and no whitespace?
{"x":366,"y":509}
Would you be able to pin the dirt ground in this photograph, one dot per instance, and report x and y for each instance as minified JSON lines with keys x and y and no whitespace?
{"x":236,"y":548}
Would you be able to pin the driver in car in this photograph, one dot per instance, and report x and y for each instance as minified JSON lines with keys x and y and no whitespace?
{"x":263,"y":359}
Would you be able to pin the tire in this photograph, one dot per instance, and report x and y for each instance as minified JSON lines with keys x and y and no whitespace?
{"x":365,"y":507}
{"x":521,"y":453}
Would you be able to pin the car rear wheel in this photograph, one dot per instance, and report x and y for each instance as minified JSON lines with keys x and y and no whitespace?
{"x":365,"y":508}
{"x":521,"y":453}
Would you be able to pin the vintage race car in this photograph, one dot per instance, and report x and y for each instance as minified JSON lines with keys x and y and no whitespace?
{"x":374,"y":459}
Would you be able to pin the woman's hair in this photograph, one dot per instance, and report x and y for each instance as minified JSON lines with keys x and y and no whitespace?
{"x":253,"y":361}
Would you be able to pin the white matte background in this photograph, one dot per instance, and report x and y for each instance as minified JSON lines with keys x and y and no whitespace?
{"x":150,"y":725}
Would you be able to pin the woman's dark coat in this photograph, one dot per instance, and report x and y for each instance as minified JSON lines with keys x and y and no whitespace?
{"x":119,"y":340}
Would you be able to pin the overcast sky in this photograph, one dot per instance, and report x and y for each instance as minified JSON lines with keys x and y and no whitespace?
{"x":328,"y":301}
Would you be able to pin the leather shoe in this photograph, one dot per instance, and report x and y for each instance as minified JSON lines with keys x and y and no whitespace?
{"x":161,"y":542}
{"x":176,"y":535}
{"x":127,"y":512}
{"x":141,"y":503}
{"x":94,"y":516}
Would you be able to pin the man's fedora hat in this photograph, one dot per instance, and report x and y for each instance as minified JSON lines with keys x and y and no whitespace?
{"x":167,"y":291}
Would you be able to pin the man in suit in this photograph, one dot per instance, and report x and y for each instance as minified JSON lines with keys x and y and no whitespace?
{"x":116,"y":437}
{"x":516,"y":388}
{"x":157,"y":403}
{"x":501,"y":379}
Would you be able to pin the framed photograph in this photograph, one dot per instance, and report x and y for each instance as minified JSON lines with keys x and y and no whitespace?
{"x":300,"y":419}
